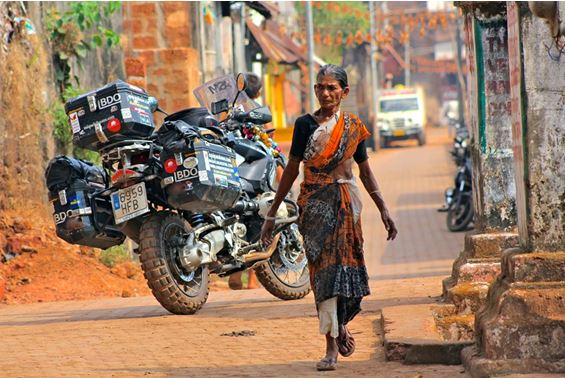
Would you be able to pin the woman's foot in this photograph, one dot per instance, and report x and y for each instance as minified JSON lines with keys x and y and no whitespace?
{"x":326,"y":364}
{"x":345,"y":342}
{"x":329,"y":362}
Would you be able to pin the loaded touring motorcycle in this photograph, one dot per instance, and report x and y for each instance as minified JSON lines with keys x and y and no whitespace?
{"x":192,"y":195}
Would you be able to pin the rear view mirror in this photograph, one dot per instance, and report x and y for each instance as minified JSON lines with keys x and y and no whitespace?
{"x":153,"y":104}
{"x":241,"y":83}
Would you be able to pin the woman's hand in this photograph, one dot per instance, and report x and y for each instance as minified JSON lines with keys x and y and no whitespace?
{"x":267,"y":232}
{"x":389,"y":225}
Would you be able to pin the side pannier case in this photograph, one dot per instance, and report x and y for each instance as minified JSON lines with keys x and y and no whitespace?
{"x":81,"y":216}
{"x":115,"y":112}
{"x":199,"y":176}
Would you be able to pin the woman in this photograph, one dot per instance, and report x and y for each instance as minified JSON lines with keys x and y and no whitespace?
{"x":327,"y":142}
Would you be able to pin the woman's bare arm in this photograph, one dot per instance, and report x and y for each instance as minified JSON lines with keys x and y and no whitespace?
{"x":370,"y":183}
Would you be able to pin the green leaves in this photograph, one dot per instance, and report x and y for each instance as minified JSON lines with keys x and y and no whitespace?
{"x":84,"y":26}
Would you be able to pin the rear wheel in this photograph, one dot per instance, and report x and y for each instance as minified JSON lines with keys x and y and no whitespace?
{"x":285,"y":274}
{"x":178,"y":290}
{"x":460,"y":212}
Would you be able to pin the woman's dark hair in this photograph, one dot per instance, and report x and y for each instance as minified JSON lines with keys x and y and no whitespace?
{"x":336,"y":71}
{"x":253,"y":85}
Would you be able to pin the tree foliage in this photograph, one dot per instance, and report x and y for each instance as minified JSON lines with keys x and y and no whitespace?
{"x":329,"y":22}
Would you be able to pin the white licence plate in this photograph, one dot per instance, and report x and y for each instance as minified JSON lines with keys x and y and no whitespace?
{"x":129,"y":203}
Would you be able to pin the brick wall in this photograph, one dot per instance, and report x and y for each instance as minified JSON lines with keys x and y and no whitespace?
{"x":160,"y":55}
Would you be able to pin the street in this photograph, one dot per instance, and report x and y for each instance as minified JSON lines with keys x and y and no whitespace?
{"x":249,"y":332}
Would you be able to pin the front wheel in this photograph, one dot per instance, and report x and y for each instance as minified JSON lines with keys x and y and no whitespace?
{"x":177,"y":290}
{"x":285,"y":274}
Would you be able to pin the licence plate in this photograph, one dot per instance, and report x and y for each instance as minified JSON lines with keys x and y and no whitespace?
{"x":129,"y":203}
{"x":399,"y":133}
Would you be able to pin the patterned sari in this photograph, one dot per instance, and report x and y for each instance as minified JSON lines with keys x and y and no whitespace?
{"x":331,"y":229}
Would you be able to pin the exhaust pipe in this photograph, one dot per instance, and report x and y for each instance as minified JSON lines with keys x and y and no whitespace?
{"x":256,"y":256}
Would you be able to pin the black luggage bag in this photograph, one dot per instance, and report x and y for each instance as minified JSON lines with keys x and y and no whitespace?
{"x":81,"y":215}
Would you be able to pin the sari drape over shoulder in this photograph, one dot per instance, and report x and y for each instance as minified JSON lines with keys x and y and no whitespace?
{"x":329,"y":220}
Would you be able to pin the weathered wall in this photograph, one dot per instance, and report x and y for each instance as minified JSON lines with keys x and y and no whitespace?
{"x":491,"y":126}
{"x":544,"y":80}
{"x":160,"y":52}
{"x":25,"y":129}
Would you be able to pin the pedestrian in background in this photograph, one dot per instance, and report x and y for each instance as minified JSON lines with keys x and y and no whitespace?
{"x":327,"y":142}
{"x":253,"y":87}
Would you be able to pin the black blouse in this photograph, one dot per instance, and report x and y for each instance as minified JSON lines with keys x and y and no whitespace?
{"x":303,"y":129}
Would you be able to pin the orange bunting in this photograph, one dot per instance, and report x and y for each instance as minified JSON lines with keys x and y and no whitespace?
{"x":359,"y":37}
{"x":422,"y":31}
{"x":339,"y":38}
{"x":327,"y":41}
{"x":317,"y":37}
{"x":350,"y":40}
{"x":432,"y":23}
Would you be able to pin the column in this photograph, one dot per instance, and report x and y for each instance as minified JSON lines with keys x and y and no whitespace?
{"x":494,"y":189}
{"x":522,"y":327}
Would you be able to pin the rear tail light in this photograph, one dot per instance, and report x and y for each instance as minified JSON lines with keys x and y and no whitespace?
{"x":114,"y":125}
{"x":170,"y":166}
{"x":123,"y":175}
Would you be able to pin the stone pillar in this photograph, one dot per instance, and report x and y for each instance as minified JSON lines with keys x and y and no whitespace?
{"x":522,"y":327}
{"x":490,"y":127}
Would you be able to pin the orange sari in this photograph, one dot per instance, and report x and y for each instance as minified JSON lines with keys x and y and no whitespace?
{"x":332,"y":236}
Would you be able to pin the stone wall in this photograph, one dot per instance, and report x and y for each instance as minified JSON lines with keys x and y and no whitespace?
{"x":161,"y":52}
{"x":544,"y":84}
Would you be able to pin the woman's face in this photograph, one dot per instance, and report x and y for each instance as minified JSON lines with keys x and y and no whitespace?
{"x":329,"y":92}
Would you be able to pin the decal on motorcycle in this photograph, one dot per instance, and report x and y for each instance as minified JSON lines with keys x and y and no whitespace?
{"x":114,"y":108}
{"x":190,"y":162}
{"x":81,"y":112}
{"x":63,"y":197}
{"x":62,"y":216}
{"x":75,"y":124}
{"x":126,"y":113}
{"x":221,"y":180}
{"x":106,"y":102}
{"x":185,"y":174}
{"x":203,"y":176}
{"x":179,"y":158}
{"x":219,"y":86}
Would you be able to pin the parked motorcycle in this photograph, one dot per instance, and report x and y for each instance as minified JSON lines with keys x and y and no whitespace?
{"x":459,"y":199}
{"x":193,"y":195}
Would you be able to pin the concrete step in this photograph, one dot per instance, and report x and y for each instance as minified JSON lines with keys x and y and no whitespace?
{"x":411,"y":336}
{"x":468,"y":297}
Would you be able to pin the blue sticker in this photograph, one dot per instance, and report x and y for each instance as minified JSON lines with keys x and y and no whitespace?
{"x":116,"y":201}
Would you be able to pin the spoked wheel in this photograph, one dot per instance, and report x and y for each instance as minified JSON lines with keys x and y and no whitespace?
{"x":178,"y":290}
{"x":285,"y":274}
{"x":460,"y":212}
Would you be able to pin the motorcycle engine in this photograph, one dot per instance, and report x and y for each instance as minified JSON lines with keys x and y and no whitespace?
{"x":265,"y":200}
{"x":201,"y":251}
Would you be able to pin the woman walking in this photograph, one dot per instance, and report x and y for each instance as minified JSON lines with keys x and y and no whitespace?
{"x":327,"y":142}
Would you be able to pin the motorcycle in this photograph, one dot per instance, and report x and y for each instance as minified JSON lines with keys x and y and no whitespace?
{"x":192,"y":195}
{"x":459,"y":199}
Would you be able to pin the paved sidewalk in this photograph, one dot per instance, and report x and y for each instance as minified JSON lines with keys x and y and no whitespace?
{"x":135,"y":336}
{"x":413,"y":181}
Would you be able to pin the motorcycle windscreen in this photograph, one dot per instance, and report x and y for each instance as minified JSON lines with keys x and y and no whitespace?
{"x":222,"y":88}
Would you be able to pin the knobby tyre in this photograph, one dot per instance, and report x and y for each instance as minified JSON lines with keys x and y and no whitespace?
{"x":460,"y":213}
{"x":285,"y":275}
{"x":177,"y":290}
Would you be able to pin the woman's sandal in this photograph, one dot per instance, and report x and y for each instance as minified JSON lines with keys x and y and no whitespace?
{"x":327,"y":364}
{"x":345,"y":343}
